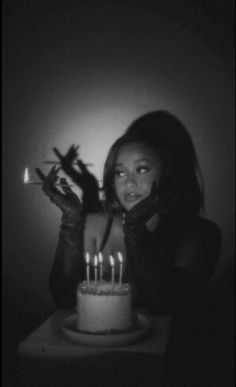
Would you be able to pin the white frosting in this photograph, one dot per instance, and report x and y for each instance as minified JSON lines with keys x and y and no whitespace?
{"x":101,"y":308}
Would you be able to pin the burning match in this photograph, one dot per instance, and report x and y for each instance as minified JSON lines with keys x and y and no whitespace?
{"x":28,"y":181}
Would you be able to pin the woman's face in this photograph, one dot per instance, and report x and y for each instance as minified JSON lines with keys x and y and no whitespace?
{"x":137,"y":167}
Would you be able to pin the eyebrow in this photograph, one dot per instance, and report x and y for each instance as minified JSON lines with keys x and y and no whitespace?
{"x":138,"y":160}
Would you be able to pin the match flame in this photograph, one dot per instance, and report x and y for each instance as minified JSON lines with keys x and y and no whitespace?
{"x":95,"y":260}
{"x":26,"y":176}
{"x":112,"y":262}
{"x":100,"y":259}
{"x":120,"y":257}
{"x":87,"y":258}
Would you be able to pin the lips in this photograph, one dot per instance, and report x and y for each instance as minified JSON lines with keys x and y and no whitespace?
{"x":131,"y":197}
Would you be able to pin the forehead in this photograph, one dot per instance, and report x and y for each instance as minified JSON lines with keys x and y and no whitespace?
{"x":136,"y":150}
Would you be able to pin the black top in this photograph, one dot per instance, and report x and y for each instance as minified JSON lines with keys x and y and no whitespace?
{"x":157,"y":280}
{"x":163,"y":280}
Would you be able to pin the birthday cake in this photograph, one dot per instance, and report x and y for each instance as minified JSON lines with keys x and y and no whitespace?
{"x":102,"y":308}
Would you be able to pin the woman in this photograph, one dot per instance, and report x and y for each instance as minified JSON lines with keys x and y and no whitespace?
{"x":152,"y":203}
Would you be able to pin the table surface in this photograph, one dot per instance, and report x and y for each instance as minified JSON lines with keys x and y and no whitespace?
{"x":49,"y":341}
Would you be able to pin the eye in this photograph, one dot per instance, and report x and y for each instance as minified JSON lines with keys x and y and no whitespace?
{"x":143,"y":169}
{"x":119,"y":173}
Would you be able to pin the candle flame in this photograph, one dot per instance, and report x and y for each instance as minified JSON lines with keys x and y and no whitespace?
{"x":26,"y":176}
{"x":100,"y":259}
{"x":95,"y":260}
{"x":87,"y":258}
{"x":112,"y":262}
{"x":120,"y":257}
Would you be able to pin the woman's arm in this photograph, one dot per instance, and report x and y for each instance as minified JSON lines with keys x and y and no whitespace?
{"x":68,"y":266}
{"x":160,"y":283}
{"x":173,"y":285}
{"x":75,"y":238}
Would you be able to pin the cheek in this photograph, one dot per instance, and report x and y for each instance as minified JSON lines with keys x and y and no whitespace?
{"x":156,"y":177}
{"x":148,"y":182}
{"x":117,"y":188}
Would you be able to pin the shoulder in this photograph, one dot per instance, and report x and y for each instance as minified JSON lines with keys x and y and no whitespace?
{"x":200,"y":246}
{"x":198,"y":228}
{"x":204,"y":229}
{"x":203,"y":233}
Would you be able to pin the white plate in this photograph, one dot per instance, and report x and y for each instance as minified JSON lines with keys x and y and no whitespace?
{"x":109,"y":340}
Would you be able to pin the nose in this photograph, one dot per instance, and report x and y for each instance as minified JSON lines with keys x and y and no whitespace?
{"x":131,"y":180}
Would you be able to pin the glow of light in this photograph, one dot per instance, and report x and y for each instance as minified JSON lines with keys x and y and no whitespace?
{"x":87,"y":258}
{"x":100,"y":259}
{"x":120,"y":257}
{"x":112,"y":262}
{"x":95,"y":260}
{"x":26,"y":176}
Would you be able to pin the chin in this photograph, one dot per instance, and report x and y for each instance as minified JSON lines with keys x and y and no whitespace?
{"x":129,"y":206}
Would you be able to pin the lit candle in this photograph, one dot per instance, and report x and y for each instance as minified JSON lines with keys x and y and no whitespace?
{"x":87,"y":258}
{"x":112,"y":262}
{"x":121,"y":267}
{"x":95,"y":269}
{"x":100,"y":259}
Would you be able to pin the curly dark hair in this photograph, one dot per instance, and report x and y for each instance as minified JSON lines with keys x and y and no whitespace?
{"x":181,"y":184}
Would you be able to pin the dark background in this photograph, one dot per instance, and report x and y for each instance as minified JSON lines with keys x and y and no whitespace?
{"x":78,"y":72}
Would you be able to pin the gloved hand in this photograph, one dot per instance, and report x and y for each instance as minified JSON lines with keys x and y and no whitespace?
{"x":161,"y":200}
{"x":144,"y":210}
{"x":67,"y":201}
{"x":82,"y":178}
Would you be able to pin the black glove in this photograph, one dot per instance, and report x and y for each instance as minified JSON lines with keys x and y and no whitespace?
{"x":141,"y":251}
{"x":67,"y":201}
{"x":68,"y":266}
{"x":137,"y":238}
{"x":144,"y":210}
{"x":82,"y":178}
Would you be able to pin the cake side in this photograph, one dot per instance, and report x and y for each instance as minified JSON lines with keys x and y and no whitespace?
{"x":104,"y":288}
{"x":101,"y":309}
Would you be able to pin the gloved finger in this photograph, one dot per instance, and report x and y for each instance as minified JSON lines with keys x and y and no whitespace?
{"x":51,"y":171}
{"x":155,"y":197}
{"x":40,"y":174}
{"x":67,"y":190}
{"x":65,"y":186}
{"x":46,"y":186}
{"x":52,"y":175}
{"x":53,"y":193}
{"x":49,"y":189}
{"x":154,"y":189}
{"x":49,"y":180}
